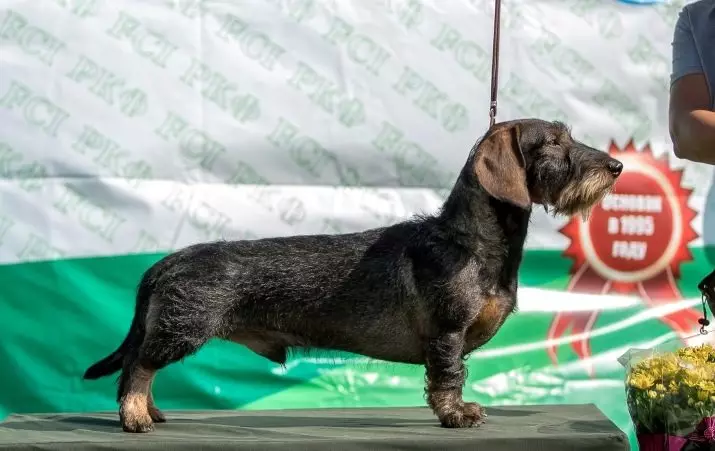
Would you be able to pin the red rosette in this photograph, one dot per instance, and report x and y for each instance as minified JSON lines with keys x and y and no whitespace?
{"x":632,"y":243}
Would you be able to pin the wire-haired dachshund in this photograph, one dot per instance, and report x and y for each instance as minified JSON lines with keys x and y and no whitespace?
{"x":425,"y":291}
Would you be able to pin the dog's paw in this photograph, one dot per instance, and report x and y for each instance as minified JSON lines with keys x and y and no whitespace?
{"x":156,"y":415}
{"x":137,"y":423}
{"x":466,"y":415}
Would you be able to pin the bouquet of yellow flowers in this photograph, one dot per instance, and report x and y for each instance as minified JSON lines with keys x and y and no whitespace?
{"x":671,"y":398}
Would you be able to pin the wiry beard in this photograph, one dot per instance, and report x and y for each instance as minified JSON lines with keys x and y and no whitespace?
{"x":581,"y":196}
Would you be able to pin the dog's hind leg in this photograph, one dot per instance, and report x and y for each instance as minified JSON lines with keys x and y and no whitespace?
{"x":125,"y":381}
{"x":136,"y":380}
{"x":169,"y":338}
{"x":445,"y":378}
{"x":138,"y":411}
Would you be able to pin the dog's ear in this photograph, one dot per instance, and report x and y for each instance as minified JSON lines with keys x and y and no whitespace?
{"x":500,"y":167}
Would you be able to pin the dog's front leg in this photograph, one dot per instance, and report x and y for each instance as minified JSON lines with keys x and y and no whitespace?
{"x":444,"y":381}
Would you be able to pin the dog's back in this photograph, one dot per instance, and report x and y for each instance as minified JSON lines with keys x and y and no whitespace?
{"x":270,"y":277}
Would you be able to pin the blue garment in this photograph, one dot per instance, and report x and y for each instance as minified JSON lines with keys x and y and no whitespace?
{"x":694,"y":52}
{"x":694,"y":43}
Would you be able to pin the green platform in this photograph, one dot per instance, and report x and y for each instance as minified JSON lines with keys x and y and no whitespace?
{"x":552,"y":428}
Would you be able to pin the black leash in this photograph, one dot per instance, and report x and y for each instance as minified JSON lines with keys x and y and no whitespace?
{"x":705,"y":291}
{"x":495,"y":63}
{"x":704,"y":321}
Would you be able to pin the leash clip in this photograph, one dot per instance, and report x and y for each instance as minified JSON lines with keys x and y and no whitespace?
{"x":704,"y":322}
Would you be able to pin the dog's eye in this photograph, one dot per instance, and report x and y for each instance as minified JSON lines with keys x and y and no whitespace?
{"x":551,"y":145}
{"x":552,"y":141}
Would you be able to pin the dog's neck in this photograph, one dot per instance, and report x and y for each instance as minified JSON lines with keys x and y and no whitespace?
{"x":486,"y":227}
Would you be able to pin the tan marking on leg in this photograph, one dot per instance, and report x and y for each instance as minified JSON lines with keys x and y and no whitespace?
{"x":134,"y":410}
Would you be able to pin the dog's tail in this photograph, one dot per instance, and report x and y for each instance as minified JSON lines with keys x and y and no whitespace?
{"x":113,"y":362}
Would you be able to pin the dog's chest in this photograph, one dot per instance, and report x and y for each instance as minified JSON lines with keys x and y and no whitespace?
{"x":487,"y":322}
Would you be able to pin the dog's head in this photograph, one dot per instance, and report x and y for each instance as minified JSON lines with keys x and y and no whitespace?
{"x":535,"y":161}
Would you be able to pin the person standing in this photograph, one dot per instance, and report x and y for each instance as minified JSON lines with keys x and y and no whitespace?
{"x":691,"y":109}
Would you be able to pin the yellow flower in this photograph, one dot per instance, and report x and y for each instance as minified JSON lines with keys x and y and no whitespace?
{"x":708,"y":386}
{"x":693,"y":376}
{"x":673,"y":387}
{"x":686,"y":354}
{"x":703,"y":395}
{"x":664,"y":365}
{"x":641,"y":381}
{"x":685,"y":378}
{"x":703,"y":353}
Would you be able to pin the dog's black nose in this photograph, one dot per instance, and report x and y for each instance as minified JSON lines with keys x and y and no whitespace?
{"x":615,"y":167}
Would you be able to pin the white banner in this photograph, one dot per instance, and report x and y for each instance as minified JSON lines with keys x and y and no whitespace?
{"x":135,"y":125}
